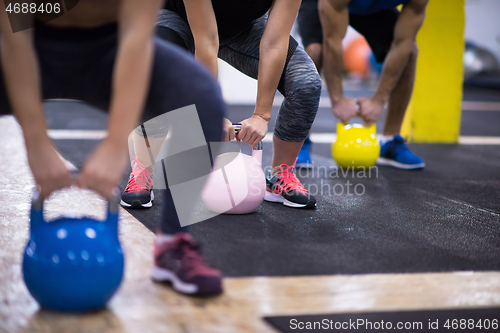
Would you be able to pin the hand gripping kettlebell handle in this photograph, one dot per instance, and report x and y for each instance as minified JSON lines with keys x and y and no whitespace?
{"x":113,"y":201}
{"x":237,"y":128}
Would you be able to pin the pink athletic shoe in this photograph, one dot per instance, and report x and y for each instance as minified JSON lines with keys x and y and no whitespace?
{"x":139,"y":190}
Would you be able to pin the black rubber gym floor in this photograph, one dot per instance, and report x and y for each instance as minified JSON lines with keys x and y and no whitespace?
{"x":477,"y":320}
{"x":443,"y":218}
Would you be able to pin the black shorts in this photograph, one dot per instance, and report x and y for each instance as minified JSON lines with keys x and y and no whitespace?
{"x":377,"y":28}
{"x":309,"y":23}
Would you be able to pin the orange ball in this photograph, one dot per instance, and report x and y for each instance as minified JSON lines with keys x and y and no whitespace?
{"x":357,"y":57}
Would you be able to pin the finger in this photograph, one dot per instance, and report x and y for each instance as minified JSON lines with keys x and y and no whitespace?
{"x":50,"y":187}
{"x":85,"y":178}
{"x":46,"y":191}
{"x":368,"y":120}
{"x":254,"y":142}
{"x":251,"y":140}
{"x":260,"y":138}
{"x":243,"y":135}
{"x":256,"y":139}
{"x":100,"y":185}
{"x":63,"y":181}
{"x":80,"y":181}
{"x":105,"y":190}
{"x":101,"y":189}
{"x":232,"y":134}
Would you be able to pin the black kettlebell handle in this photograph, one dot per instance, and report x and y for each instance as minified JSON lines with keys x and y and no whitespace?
{"x":113,"y":201}
{"x":237,"y":128}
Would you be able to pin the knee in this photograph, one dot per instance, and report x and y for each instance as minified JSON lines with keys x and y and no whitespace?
{"x":205,"y":88}
{"x":310,"y":87}
{"x":305,"y":95}
{"x":210,"y":101}
{"x":314,"y":51}
{"x":210,"y":104}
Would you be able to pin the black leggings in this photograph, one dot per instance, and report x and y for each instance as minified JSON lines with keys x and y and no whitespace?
{"x":300,"y":82}
{"x":78,"y":64}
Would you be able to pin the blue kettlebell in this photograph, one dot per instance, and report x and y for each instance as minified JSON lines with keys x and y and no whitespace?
{"x":73,"y":264}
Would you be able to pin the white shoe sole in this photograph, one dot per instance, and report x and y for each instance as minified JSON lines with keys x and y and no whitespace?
{"x":146,"y":205}
{"x":272,"y":197}
{"x":159,"y":274}
{"x":386,"y":161}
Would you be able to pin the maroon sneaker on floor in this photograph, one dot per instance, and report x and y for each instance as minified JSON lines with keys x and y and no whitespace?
{"x":179,"y":262}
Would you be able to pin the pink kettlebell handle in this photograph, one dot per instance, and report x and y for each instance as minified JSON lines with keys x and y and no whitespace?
{"x":237,"y":128}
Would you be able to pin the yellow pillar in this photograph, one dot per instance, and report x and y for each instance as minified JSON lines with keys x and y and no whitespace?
{"x":435,"y":108}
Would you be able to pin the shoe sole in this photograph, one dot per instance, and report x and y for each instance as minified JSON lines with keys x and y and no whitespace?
{"x":163,"y":275}
{"x":272,"y":197}
{"x":138,"y":204}
{"x":388,"y":162}
{"x":159,"y":274}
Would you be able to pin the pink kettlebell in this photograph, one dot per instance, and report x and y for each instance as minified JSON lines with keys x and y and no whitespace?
{"x":237,"y":187}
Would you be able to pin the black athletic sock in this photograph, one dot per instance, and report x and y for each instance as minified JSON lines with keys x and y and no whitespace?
{"x":169,"y":222}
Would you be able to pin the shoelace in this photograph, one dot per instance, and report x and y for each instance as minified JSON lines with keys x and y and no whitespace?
{"x":190,"y":253}
{"x":141,"y":178}
{"x":288,"y":181}
{"x":399,"y":145}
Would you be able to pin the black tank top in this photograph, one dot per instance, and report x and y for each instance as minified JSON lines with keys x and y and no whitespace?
{"x":233,"y":16}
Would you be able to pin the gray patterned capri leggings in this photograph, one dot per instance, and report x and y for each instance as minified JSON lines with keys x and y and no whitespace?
{"x":300,"y":83}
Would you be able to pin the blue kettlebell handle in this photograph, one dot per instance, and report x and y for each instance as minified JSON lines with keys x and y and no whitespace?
{"x":37,"y":206}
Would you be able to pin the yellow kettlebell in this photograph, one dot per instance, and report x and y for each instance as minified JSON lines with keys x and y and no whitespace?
{"x":356,"y":146}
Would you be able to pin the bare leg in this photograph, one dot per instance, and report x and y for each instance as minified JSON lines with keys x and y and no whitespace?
{"x":314,"y":51}
{"x":284,"y":152}
{"x":400,"y":97}
{"x":143,"y":153}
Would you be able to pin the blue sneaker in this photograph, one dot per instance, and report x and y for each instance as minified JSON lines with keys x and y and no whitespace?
{"x":395,"y":153}
{"x":304,"y":158}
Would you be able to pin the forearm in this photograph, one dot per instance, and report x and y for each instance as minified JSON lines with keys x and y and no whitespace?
{"x":332,"y":69}
{"x":203,"y":24}
{"x":396,"y":61}
{"x":271,"y":64}
{"x":130,"y":85}
{"x":334,"y":17}
{"x":22,"y":80}
{"x":207,"y":55}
